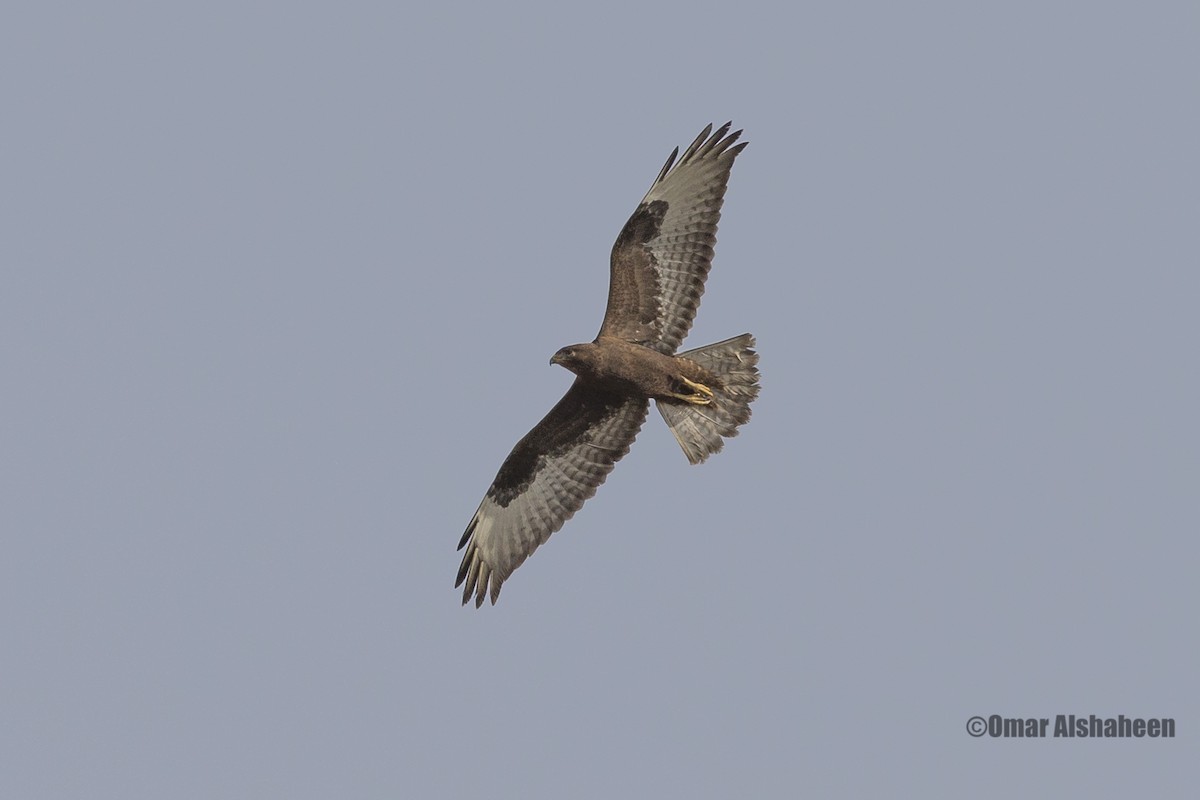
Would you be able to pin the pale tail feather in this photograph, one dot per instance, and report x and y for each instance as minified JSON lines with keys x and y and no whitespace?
{"x":701,"y":430}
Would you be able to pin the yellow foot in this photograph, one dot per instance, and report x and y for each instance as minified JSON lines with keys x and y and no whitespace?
{"x":701,"y":394}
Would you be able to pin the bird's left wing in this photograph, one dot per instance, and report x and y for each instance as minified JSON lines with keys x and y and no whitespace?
{"x":662,"y":256}
{"x":545,"y":479}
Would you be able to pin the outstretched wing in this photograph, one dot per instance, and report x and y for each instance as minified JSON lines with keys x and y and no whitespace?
{"x":664,"y":252}
{"x":545,"y":479}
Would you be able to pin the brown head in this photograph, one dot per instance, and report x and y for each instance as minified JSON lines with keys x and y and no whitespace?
{"x":579,"y":358}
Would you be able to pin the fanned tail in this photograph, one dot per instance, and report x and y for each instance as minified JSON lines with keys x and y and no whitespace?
{"x":701,"y":430}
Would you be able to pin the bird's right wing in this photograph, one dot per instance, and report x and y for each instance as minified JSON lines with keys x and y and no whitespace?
{"x":545,"y":479}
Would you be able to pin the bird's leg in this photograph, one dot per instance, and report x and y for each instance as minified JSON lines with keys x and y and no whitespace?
{"x":701,"y":395}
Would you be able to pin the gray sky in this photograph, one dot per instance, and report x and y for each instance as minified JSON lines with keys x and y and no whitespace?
{"x":279,"y":286}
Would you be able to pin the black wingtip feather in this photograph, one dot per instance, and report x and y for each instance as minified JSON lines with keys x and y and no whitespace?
{"x":714,"y":141}
{"x":695,"y":145}
{"x":462,"y":570}
{"x":728,"y":141}
{"x":469,"y":572}
{"x":667,"y":166}
{"x":466,"y":537}
{"x":481,"y":584}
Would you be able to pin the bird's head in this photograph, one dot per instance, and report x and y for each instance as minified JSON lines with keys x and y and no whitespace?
{"x":572,"y":357}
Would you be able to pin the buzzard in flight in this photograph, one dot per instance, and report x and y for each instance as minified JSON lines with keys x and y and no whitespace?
{"x":658,"y":267}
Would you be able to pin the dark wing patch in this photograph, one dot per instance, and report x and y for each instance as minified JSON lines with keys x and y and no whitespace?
{"x":663,"y":254}
{"x":545,"y":479}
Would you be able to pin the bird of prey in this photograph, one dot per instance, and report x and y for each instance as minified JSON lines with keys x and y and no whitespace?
{"x":657,"y":271}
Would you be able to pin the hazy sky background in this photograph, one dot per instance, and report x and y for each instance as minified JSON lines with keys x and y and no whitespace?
{"x":279,"y":286}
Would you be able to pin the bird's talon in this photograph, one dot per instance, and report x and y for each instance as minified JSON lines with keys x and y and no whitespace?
{"x":701,"y":395}
{"x":699,"y":388}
